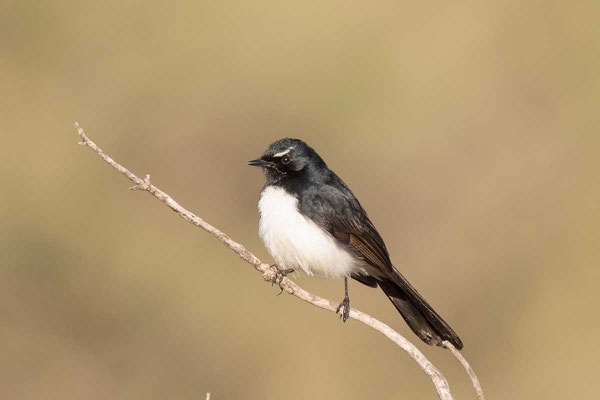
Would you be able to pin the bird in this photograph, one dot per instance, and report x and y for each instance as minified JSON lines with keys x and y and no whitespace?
{"x":311,"y":222}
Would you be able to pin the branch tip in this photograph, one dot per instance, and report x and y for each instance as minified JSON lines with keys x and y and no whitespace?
{"x":467,"y":367}
{"x":84,"y":140}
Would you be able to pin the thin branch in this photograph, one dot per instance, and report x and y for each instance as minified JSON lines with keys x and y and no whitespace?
{"x":467,"y":367}
{"x":268,"y":273}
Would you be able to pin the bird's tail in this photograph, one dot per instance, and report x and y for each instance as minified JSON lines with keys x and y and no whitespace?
{"x":417,"y":313}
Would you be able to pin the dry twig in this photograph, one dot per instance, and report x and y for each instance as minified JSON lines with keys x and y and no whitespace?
{"x":268,"y":273}
{"x":467,"y":367}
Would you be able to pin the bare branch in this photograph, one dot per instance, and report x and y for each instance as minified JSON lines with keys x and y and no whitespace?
{"x":467,"y":367}
{"x":268,"y":273}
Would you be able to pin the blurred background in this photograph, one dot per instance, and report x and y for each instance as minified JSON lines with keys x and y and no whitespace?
{"x":469,"y":132}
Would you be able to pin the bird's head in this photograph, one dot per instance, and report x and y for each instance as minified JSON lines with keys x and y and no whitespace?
{"x":287,"y":158}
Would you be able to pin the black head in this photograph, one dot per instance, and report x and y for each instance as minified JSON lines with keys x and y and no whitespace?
{"x":289,"y":158}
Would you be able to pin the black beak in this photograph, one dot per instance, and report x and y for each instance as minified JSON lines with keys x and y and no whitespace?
{"x":258,"y":163}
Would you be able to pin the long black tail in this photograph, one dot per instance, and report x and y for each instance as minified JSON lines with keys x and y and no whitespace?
{"x":417,"y":313}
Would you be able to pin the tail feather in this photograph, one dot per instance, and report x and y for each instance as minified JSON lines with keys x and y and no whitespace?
{"x":418,"y":314}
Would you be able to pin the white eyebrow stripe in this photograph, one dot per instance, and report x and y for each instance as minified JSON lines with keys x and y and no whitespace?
{"x":283,"y":153}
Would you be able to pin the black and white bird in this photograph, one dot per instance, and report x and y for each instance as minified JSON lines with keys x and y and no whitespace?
{"x":311,"y":221}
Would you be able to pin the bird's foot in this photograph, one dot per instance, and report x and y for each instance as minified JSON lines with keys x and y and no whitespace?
{"x":279,"y":275}
{"x":345,"y":308}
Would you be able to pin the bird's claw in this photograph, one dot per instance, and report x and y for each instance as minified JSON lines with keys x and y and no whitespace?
{"x":345,"y":308}
{"x":279,"y":275}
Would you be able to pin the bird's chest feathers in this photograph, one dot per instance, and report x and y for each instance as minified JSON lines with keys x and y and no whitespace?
{"x":294,"y":241}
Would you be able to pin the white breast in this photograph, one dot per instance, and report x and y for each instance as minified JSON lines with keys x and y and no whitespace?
{"x":296,"y":242}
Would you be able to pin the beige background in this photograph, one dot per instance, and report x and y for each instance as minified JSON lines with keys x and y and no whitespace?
{"x":469,"y":131}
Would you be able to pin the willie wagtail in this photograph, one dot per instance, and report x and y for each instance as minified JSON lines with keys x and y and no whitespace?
{"x":311,"y":221}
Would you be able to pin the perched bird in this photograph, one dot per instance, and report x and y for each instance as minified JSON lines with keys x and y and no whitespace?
{"x":311,"y":221}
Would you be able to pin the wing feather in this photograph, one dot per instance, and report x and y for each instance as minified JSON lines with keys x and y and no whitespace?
{"x":362,"y":239}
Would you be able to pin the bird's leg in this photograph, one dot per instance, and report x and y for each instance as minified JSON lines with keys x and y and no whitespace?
{"x":345,"y":304}
{"x":279,"y":275}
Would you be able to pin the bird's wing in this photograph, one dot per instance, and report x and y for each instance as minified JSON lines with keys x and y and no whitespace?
{"x":340,"y":214}
{"x":361,"y":237}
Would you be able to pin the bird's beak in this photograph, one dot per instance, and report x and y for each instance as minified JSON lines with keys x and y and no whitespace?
{"x":258,"y":163}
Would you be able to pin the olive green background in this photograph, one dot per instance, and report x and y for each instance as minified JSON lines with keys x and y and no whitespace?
{"x":469,"y":131}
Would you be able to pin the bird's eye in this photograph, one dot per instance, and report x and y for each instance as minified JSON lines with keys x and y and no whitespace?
{"x":285,"y":159}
